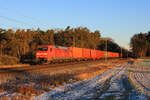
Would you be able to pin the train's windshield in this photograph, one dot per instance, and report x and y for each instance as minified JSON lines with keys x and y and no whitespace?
{"x":42,"y":49}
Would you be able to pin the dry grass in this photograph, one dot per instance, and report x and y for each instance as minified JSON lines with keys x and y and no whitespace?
{"x":31,"y":83}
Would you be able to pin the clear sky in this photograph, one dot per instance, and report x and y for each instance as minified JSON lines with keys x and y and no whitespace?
{"x":118,"y":19}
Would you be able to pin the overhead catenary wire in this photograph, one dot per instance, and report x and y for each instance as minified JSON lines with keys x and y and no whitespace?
{"x":27,"y":17}
{"x":19,"y":13}
{"x":11,"y":19}
{"x":4,"y":25}
{"x":15,"y":20}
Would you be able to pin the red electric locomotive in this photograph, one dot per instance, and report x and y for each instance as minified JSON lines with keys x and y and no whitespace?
{"x":52,"y":53}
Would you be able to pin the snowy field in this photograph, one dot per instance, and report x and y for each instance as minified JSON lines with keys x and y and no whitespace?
{"x":126,"y":82}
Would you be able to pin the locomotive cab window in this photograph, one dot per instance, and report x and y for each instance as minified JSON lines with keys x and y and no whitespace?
{"x":42,"y":49}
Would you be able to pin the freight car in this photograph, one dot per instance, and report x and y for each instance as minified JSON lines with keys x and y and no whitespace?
{"x":48,"y":53}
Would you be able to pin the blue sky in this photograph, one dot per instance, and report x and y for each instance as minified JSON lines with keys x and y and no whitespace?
{"x":118,"y":19}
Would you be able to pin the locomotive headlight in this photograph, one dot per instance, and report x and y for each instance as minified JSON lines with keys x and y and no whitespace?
{"x":44,"y":53}
{"x":38,"y":54}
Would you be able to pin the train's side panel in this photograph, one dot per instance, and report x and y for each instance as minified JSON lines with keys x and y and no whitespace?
{"x":86,"y":53}
{"x":117,"y":54}
{"x":93,"y":54}
{"x":100,"y":54}
{"x":68,"y":53}
{"x":61,"y":53}
{"x":76,"y":53}
{"x":58,"y":54}
{"x":112,"y":55}
{"x":97,"y":54}
{"x":108,"y":55}
{"x":120,"y":55}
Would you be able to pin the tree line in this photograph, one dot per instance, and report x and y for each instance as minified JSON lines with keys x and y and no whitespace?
{"x":23,"y":43}
{"x":140,"y":44}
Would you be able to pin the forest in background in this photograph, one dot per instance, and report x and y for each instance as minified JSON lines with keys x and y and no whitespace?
{"x":140,"y":44}
{"x":22,"y":43}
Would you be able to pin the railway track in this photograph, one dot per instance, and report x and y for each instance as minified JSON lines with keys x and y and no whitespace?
{"x":45,"y":66}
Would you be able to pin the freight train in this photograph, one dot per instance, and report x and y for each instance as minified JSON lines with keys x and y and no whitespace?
{"x":52,"y":53}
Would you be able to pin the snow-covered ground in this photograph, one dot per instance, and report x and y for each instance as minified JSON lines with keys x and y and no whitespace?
{"x":140,"y":76}
{"x":85,"y":89}
{"x":114,"y":84}
{"x":124,"y":82}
